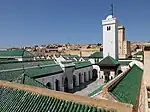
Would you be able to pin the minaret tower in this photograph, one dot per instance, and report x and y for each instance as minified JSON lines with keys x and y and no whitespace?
{"x":110,"y":36}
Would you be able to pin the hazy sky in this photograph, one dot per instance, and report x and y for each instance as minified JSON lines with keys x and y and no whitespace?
{"x":31,"y":22}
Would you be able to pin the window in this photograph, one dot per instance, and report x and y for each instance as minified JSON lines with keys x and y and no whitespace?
{"x":108,"y":28}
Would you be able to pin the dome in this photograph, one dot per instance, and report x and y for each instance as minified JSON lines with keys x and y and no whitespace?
{"x":109,"y":17}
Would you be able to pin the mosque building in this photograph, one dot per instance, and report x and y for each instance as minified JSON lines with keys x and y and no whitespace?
{"x":32,"y":84}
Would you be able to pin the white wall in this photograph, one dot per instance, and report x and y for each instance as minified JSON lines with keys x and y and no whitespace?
{"x":110,"y":38}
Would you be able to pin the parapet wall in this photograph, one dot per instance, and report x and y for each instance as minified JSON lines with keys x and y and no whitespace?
{"x":146,"y":75}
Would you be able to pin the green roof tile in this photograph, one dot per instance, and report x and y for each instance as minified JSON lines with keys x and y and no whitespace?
{"x":24,"y":79}
{"x":10,"y":75}
{"x":13,"y":100}
{"x":97,"y":55}
{"x":127,"y":89}
{"x":21,"y":64}
{"x":42,"y":71}
{"x":82,"y":64}
{"x":108,"y":61}
{"x":22,"y":53}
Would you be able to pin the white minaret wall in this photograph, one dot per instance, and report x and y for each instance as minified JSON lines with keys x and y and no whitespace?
{"x":110,"y":37}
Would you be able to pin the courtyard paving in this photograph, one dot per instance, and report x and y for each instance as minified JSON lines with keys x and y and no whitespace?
{"x":88,"y":87}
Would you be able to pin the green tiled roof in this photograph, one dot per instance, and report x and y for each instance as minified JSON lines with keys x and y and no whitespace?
{"x":10,"y":75}
{"x":108,"y":61}
{"x":124,"y":63}
{"x":34,"y":72}
{"x":139,"y":53}
{"x":10,"y":53}
{"x":82,"y":64}
{"x":24,"y":79}
{"x":42,"y":71}
{"x":97,"y":55}
{"x":21,"y":64}
{"x":127,"y":89}
{"x":15,"y":100}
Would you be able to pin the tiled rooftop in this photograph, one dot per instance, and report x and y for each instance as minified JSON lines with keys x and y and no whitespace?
{"x":82,"y":64}
{"x":127,"y":90}
{"x":15,"y":99}
{"x":108,"y":61}
{"x":9,"y":53}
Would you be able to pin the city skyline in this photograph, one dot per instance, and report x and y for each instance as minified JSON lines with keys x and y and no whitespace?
{"x":33,"y":22}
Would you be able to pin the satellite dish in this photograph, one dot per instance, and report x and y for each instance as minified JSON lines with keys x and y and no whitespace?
{"x":109,"y":17}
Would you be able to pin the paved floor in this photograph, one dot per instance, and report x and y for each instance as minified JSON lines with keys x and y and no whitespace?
{"x":87,"y":88}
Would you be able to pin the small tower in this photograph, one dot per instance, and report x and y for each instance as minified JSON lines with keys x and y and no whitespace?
{"x":110,"y":37}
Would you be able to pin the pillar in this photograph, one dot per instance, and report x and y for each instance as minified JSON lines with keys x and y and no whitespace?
{"x":91,"y":75}
{"x":70,"y":85}
{"x":102,"y":74}
{"x":112,"y":74}
{"x":86,"y":76}
{"x":82,"y":78}
{"x":99,"y":75}
{"x":77,"y":80}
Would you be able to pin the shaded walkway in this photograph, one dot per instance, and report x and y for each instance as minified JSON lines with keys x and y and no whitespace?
{"x":87,"y":87}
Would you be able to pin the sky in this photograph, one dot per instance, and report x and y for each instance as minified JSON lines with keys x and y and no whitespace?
{"x":40,"y":22}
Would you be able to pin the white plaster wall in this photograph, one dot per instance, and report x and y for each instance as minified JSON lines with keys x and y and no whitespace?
{"x":110,"y":38}
{"x":52,"y":79}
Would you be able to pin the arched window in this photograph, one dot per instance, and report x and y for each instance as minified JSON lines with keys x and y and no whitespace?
{"x":48,"y":85}
{"x":108,"y":28}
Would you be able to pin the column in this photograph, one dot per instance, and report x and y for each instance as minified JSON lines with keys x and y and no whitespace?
{"x":99,"y":75}
{"x":82,"y":78}
{"x":112,"y":74}
{"x":102,"y":75}
{"x":91,"y":75}
{"x":87,"y":76}
{"x":77,"y":80}
{"x":70,"y":85}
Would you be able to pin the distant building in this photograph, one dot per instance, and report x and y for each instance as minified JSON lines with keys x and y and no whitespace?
{"x":110,"y":37}
{"x":124,"y":49}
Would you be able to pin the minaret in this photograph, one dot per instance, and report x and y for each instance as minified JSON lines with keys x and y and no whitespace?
{"x":110,"y":36}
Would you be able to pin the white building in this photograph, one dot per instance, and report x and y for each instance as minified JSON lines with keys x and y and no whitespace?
{"x":110,"y":37}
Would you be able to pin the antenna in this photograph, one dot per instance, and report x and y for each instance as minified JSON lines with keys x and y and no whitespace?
{"x":112,"y":10}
